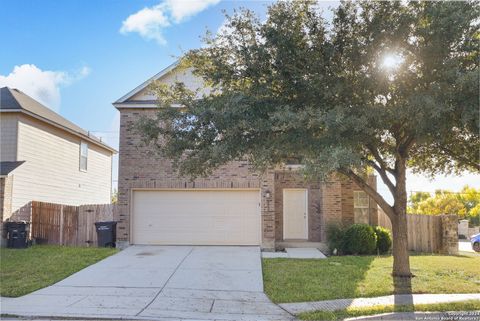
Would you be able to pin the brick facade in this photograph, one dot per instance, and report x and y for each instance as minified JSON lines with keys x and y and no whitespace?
{"x":140,"y":167}
{"x":5,"y":197}
{"x":347,"y":189}
{"x":5,"y":204}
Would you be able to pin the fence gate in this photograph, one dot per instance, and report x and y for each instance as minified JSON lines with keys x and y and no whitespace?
{"x":68,"y":225}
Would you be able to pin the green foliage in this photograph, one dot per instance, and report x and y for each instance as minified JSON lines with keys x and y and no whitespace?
{"x":418,"y":197}
{"x":360,"y":239}
{"x":357,"y":239}
{"x":384,"y":239}
{"x":473,"y":216}
{"x":296,"y":78}
{"x":465,"y":204}
{"x":335,"y":236}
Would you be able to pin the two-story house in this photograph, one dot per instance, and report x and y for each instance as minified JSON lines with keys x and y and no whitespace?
{"x":233,"y":206}
{"x":45,"y":157}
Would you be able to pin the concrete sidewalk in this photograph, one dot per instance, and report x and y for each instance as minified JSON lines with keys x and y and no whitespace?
{"x":295,"y":253}
{"x":332,"y":305}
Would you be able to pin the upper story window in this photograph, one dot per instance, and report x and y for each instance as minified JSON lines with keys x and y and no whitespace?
{"x":361,"y":207}
{"x":83,"y":156}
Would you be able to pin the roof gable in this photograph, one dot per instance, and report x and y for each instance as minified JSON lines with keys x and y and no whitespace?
{"x":144,"y":85}
{"x":140,"y":97}
{"x":14,"y":100}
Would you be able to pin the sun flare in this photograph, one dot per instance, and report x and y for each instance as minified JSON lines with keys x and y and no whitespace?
{"x":391,"y":61}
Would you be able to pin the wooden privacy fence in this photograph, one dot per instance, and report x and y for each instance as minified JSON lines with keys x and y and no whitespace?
{"x":68,"y":225}
{"x":428,"y":233}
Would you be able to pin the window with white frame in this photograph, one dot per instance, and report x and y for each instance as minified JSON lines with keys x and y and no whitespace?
{"x":83,"y":156}
{"x":361,"y":207}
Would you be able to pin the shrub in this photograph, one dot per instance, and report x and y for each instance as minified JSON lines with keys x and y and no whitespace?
{"x":335,"y":235}
{"x":360,"y":239}
{"x":384,"y":239}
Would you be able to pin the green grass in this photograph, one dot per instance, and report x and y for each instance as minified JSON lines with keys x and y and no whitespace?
{"x":470,"y":305}
{"x":25,"y":270}
{"x":290,"y":280}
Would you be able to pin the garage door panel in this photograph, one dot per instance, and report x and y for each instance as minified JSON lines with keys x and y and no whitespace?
{"x":208,"y":217}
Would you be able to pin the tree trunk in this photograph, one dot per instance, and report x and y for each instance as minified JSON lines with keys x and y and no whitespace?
{"x":398,"y":216}
{"x":401,"y":260}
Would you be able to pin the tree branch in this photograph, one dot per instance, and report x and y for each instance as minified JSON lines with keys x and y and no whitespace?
{"x":460,"y":158}
{"x":379,"y":159}
{"x":383,"y":175}
{"x":370,"y":191}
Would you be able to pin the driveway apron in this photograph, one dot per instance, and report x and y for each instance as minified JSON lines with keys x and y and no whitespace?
{"x":160,"y":283}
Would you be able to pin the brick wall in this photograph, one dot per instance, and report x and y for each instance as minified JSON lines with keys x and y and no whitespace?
{"x":5,"y":197}
{"x":140,"y":167}
{"x":348,"y":187}
{"x":331,"y":204}
{"x":449,"y":234}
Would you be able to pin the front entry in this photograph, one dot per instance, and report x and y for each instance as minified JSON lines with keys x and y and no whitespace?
{"x":295,"y":214}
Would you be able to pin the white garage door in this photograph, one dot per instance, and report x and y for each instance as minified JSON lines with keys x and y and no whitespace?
{"x":198,"y":217}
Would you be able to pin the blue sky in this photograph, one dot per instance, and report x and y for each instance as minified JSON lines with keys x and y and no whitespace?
{"x":77,"y":57}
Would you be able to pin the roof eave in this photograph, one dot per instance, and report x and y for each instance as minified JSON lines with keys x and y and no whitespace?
{"x":144,"y":85}
{"x":90,"y":139}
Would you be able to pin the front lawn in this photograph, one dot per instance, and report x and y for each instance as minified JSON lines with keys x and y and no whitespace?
{"x":25,"y":270}
{"x":290,"y":280}
{"x":470,"y":305}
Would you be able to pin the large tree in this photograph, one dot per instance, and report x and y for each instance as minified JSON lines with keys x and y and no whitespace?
{"x":384,"y":86}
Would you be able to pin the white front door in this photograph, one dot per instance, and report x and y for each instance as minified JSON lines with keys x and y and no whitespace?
{"x":295,"y":216}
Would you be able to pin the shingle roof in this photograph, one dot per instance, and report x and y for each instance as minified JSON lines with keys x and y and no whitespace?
{"x":7,"y":167}
{"x":16,"y":100}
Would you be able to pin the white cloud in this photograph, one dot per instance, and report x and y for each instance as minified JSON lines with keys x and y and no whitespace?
{"x":151,"y":21}
{"x":42,"y":85}
{"x":148,"y":22}
{"x":84,"y":72}
{"x":183,"y":9}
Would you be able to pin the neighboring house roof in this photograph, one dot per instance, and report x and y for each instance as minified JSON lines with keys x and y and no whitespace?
{"x":14,"y":100}
{"x":124,"y":100}
{"x":7,"y":167}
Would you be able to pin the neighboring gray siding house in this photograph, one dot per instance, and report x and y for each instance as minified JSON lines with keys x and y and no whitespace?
{"x":233,"y":206}
{"x":44,"y":157}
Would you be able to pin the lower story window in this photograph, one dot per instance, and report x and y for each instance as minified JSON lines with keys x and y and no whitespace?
{"x":361,"y":207}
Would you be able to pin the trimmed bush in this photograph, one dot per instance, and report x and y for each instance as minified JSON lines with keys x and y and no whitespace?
{"x":384,"y":239}
{"x":335,"y":235}
{"x":360,"y":239}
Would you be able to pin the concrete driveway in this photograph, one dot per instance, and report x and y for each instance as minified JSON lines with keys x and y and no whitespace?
{"x":160,"y":283}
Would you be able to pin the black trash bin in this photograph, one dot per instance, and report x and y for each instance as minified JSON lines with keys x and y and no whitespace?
{"x":106,"y":233}
{"x":17,"y":235}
